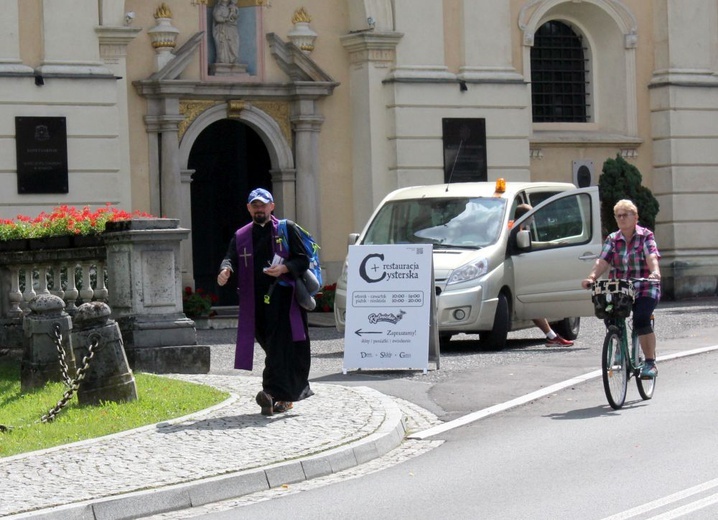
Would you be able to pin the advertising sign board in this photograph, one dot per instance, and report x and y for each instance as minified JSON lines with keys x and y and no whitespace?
{"x":389,"y":307}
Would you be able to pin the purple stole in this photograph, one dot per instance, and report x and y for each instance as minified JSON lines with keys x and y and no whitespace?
{"x":244,"y":353}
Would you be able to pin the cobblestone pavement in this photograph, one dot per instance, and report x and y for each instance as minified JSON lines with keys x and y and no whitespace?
{"x":222,"y":453}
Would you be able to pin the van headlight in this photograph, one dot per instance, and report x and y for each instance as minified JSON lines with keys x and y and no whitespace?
{"x":470,"y":271}
{"x":342,"y":281}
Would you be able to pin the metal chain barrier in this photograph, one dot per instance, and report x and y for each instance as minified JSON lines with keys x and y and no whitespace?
{"x":75,"y":383}
{"x":61,"y":353}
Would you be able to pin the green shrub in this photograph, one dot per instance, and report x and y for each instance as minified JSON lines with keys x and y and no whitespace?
{"x":621,"y":180}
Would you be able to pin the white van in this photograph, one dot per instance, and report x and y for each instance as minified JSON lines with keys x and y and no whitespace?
{"x":491,"y":276}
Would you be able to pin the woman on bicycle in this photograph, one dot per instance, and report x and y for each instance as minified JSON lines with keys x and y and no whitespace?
{"x":631,"y":252}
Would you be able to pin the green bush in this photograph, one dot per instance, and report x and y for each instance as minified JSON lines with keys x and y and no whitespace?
{"x":621,"y":180}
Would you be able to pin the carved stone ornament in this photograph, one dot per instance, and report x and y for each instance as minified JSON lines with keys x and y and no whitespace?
{"x":191,"y":109}
{"x":302,"y":35}
{"x":279,"y":111}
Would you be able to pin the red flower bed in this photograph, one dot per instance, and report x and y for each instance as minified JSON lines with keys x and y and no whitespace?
{"x":65,"y":220}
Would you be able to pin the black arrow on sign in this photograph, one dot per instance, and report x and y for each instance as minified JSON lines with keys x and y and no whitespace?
{"x":359,"y":332}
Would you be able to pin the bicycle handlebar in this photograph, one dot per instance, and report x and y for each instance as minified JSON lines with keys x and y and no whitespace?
{"x":594,"y":283}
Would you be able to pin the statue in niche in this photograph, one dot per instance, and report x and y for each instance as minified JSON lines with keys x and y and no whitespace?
{"x":225,"y":32}
{"x":226,"y":40}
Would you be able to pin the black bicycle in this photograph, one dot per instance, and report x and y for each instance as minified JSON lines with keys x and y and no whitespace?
{"x":613,"y":302}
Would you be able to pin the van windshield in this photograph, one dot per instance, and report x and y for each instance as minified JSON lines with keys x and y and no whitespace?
{"x":461,"y":222}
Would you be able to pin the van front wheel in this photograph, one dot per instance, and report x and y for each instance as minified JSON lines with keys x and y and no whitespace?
{"x":495,"y":339}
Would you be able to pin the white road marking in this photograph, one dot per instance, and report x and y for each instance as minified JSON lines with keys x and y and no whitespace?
{"x":491,"y":410}
{"x":670,"y":499}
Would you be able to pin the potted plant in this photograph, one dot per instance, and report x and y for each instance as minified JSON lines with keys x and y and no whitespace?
{"x":198,"y":304}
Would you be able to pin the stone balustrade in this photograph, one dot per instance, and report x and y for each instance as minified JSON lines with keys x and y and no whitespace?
{"x":70,"y":273}
{"x":134,"y":268}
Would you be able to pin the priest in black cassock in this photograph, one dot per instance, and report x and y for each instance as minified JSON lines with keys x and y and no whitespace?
{"x":266,"y":268}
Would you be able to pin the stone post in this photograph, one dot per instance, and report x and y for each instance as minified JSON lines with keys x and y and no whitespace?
{"x":108,"y":376}
{"x":144,"y":277}
{"x":41,"y":361}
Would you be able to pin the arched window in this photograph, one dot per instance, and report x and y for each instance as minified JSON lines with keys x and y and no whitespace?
{"x":559,"y":76}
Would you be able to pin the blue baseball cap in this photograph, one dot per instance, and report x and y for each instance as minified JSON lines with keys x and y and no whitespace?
{"x":260,"y":194}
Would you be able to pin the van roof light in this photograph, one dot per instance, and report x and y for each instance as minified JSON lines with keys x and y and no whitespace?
{"x":500,"y":186}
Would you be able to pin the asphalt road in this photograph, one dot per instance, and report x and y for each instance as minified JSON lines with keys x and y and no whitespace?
{"x":567,"y":455}
{"x":469,"y":379}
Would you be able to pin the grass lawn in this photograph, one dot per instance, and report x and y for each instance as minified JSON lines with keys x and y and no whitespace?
{"x":159,"y":399}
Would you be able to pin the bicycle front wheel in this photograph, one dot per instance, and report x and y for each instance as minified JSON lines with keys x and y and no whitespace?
{"x":645,"y":386}
{"x":614,"y":368}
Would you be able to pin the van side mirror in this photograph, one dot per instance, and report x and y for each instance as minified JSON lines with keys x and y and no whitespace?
{"x":523,"y":239}
{"x":353,"y":237}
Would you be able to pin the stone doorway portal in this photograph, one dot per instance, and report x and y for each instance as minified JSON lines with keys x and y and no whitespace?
{"x":229,"y":160}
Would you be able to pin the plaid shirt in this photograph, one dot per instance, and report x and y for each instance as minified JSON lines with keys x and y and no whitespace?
{"x":628,"y":259}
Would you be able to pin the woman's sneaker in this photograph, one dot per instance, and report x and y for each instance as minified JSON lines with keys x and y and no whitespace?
{"x":649,"y":371}
{"x":558,"y":341}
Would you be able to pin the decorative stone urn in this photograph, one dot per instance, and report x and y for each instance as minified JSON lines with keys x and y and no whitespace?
{"x":302,"y":35}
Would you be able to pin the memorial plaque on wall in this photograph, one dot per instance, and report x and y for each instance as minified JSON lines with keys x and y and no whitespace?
{"x":464,"y":150}
{"x":41,"y":144}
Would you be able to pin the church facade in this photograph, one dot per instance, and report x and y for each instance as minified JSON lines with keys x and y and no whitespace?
{"x":180,"y":108}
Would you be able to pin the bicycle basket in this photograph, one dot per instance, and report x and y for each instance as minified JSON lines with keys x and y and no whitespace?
{"x":612,"y":299}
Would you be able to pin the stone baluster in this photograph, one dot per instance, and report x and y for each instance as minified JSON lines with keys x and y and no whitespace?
{"x":57,"y":281}
{"x":101,"y":292}
{"x":71,"y":292}
{"x":42,"y":280}
{"x":29,"y":293}
{"x":86,"y":292}
{"x":15,"y":296}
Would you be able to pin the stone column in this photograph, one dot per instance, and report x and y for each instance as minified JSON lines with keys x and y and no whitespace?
{"x":69,"y":48}
{"x":371,"y":55}
{"x":420,"y":54}
{"x":165,"y":177}
{"x":284,"y":190}
{"x":144,"y":276}
{"x":684,"y":97}
{"x":170,"y":180}
{"x":487,"y":42}
{"x":113,"y":51}
{"x":306,"y":125}
{"x":186,"y":222}
{"x":10,"y":63}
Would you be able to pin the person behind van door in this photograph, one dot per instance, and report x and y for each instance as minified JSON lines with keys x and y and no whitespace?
{"x":631,"y":252}
{"x":268,"y":310}
{"x":552,"y":339}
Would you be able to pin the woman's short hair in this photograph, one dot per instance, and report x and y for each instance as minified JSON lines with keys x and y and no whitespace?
{"x":625,"y":204}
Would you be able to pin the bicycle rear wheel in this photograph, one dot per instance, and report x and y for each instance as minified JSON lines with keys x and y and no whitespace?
{"x":645,"y":386}
{"x":614,"y":369}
